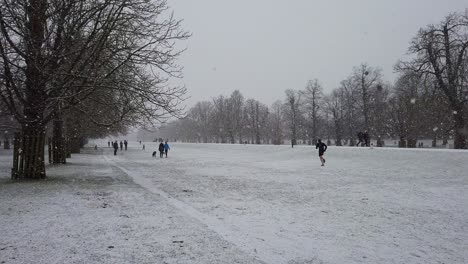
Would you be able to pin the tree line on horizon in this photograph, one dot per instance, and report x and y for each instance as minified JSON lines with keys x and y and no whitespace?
{"x":428,"y":100}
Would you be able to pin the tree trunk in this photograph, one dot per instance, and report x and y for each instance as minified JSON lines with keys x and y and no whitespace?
{"x":16,"y":154}
{"x":402,"y":143}
{"x":6,"y":144}
{"x":460,"y":130}
{"x":380,"y":142}
{"x":445,"y":139}
{"x":411,"y":143}
{"x":49,"y":149}
{"x":75,"y":145}
{"x":337,"y":131}
{"x":231,"y":135}
{"x":58,"y":151}
{"x":31,"y":159}
{"x":257,"y":137}
{"x":31,"y":164}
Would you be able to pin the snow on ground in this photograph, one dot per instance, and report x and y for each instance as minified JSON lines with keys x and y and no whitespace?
{"x":240,"y":204}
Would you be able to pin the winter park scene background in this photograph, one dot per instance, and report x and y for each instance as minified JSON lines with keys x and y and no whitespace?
{"x":174,"y":131}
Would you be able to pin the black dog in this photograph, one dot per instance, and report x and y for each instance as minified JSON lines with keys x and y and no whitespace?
{"x":154,"y":154}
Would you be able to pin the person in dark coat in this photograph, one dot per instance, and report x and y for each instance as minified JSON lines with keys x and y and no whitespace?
{"x":161,"y":150}
{"x":108,"y":144}
{"x":360,"y":136}
{"x":121,"y":145}
{"x":322,"y":147}
{"x":365,"y":136}
{"x":125,"y":143}
{"x":116,"y":147}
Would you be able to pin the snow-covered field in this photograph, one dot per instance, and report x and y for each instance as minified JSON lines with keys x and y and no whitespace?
{"x":240,"y":204}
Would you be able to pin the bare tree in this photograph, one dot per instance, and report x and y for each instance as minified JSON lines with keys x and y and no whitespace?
{"x":276,"y":123}
{"x":334,"y":105}
{"x":312,"y":96}
{"x":441,"y":51}
{"x":367,"y":79}
{"x":350,"y":93}
{"x":200,"y":114}
{"x":237,"y":106}
{"x":222,"y":126}
{"x":292,"y":113}
{"x":379,"y":106}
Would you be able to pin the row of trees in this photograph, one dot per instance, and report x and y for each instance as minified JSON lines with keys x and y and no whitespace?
{"x":428,"y":100}
{"x":87,"y":68}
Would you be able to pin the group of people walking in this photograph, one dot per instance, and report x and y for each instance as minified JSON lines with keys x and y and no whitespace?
{"x":115,"y":145}
{"x":163,"y":149}
{"x":363,"y":138}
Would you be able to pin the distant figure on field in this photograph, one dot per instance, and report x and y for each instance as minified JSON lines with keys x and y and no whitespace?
{"x":365,"y":136}
{"x":360,"y":137}
{"x":143,"y":147}
{"x":116,"y":147}
{"x":140,"y":142}
{"x":125,"y":143}
{"x":108,"y":144}
{"x":321,"y":148}
{"x":95,"y":147}
{"x":121,"y":145}
{"x":166,"y":148}
{"x":161,"y":149}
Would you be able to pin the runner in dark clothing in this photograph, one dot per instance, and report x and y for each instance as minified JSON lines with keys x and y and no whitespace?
{"x":322,"y":147}
{"x":161,"y":150}
{"x":125,"y":143}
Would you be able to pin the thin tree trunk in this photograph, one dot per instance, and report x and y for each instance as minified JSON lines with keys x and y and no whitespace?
{"x":460,"y":130}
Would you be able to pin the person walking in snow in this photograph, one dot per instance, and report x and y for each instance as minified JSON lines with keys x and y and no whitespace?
{"x":365,"y":136}
{"x":125,"y":143}
{"x":360,"y":136}
{"x":161,"y":150}
{"x":322,"y":147}
{"x":143,"y":147}
{"x":116,"y":147}
{"x":108,"y":144}
{"x":121,"y":145}
{"x":166,"y":148}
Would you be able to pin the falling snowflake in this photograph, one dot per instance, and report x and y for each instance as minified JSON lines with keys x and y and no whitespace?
{"x":413,"y":100}
{"x":455,"y":112}
{"x":435,"y":129}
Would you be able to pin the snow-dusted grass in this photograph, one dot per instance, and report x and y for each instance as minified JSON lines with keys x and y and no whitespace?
{"x":241,"y":203}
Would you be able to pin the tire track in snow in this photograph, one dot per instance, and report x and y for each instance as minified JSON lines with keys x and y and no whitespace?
{"x":263,"y":250}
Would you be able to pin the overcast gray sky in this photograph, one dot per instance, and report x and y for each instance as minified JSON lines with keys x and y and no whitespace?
{"x":263,"y":47}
